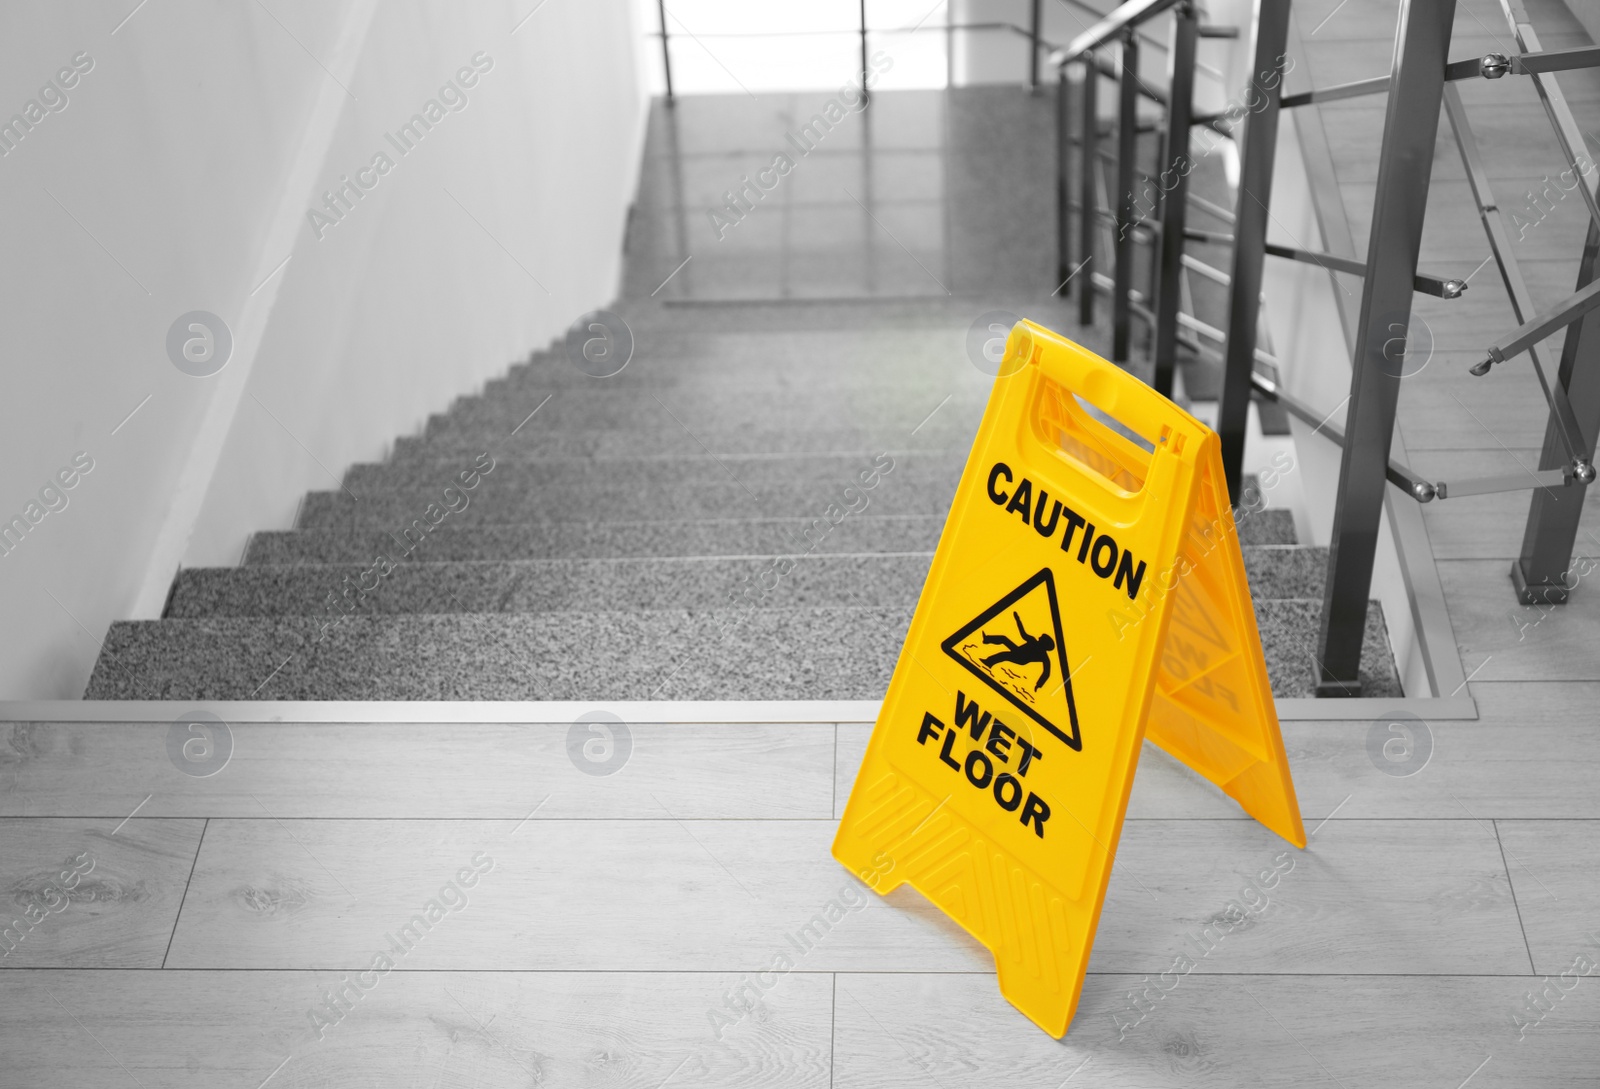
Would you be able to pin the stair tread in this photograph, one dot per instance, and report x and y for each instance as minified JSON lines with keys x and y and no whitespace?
{"x":709,"y":488}
{"x":608,"y":540}
{"x":777,"y":654}
{"x":885,"y":409}
{"x":791,"y":579}
{"x":941,"y":434}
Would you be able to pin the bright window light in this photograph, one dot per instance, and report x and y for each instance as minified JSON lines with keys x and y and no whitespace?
{"x":729,"y":47}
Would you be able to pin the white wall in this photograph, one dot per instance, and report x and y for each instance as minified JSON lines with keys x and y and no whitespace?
{"x":177,"y":178}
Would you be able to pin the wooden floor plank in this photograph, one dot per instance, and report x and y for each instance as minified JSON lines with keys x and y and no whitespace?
{"x":1505,"y":641}
{"x":1473,"y":770}
{"x":469,"y":770}
{"x":1173,"y":880}
{"x":956,"y":1032}
{"x":1535,"y":704}
{"x":1452,"y":231}
{"x":1555,"y":869}
{"x":78,"y":893}
{"x":1533,"y":753}
{"x":569,"y":895}
{"x":410,"y":1030}
{"x":1451,"y":412}
{"x":729,"y":895}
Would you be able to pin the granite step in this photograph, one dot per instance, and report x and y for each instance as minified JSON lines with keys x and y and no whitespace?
{"x":608,"y":585}
{"x":765,"y":654}
{"x":542,"y":586}
{"x":760,"y":654}
{"x":880,"y":409}
{"x":1281,"y":572}
{"x":750,"y":488}
{"x":450,"y":542}
{"x":943,"y":433}
{"x":762,"y":359}
{"x":650,"y":316}
{"x":824,"y":468}
{"x":1268,"y":527}
{"x":521,"y":493}
{"x":693,"y":376}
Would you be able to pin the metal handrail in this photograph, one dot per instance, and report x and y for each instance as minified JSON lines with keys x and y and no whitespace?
{"x":1423,"y":78}
{"x":1119,"y":21}
{"x":1488,"y":66}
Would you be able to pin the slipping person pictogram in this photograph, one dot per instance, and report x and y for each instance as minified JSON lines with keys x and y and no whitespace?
{"x":1034,"y":649}
{"x":1046,"y":699}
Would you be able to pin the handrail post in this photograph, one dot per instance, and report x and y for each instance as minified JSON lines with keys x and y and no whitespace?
{"x":1063,"y":175}
{"x":1088,"y":191}
{"x":666,"y":53}
{"x":1173,"y":181}
{"x":865,"y":71}
{"x":1258,"y":149}
{"x":1033,"y":46}
{"x":1411,"y":125}
{"x":1127,"y":155}
{"x":1540,"y":573}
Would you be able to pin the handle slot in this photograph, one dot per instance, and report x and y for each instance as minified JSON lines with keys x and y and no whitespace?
{"x":1093,"y":417}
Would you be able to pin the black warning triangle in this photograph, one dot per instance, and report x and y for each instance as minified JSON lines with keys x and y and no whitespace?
{"x":1006,"y":648}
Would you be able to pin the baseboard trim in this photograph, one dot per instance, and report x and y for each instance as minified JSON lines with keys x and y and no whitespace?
{"x":655,"y":711}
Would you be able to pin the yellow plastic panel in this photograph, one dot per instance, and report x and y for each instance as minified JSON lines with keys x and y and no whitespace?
{"x":998,"y":773}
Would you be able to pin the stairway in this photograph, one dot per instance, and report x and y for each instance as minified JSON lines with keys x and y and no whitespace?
{"x":746,"y":511}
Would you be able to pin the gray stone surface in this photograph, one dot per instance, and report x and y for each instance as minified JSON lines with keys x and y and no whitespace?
{"x":1267,"y":527}
{"x":821,"y":653}
{"x":538,"y":586}
{"x":945,"y":432}
{"x":1289,"y":640}
{"x":756,"y":487}
{"x":892,"y":411}
{"x":765,"y":654}
{"x":1286,"y":571}
{"x":804,"y":578}
{"x":707,"y":358}
{"x":597,"y":540}
{"x":959,"y":192}
{"x":426,"y":475}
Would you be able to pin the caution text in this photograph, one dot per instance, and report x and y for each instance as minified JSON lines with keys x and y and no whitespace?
{"x":1098,"y":551}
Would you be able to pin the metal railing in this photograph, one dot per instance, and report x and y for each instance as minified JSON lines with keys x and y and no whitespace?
{"x":1420,"y":82}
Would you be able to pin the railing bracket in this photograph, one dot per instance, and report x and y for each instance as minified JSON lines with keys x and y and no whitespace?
{"x":1494,"y":65}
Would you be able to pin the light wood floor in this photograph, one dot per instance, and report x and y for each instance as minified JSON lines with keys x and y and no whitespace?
{"x":614,"y":919}
{"x":617,"y":912}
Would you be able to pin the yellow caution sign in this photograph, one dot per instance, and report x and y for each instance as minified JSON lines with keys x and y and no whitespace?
{"x":1088,"y":588}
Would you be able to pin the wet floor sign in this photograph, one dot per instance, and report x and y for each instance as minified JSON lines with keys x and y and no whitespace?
{"x":1088,"y":591}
